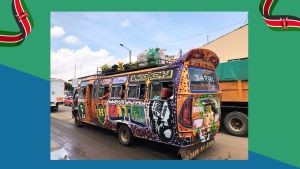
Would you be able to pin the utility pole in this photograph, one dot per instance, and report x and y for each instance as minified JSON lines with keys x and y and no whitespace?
{"x":75,"y":72}
{"x":207,"y":38}
{"x":128,"y":50}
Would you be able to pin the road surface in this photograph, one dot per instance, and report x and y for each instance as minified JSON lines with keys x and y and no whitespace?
{"x":90,"y":142}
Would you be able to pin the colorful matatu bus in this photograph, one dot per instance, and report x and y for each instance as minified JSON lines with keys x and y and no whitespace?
{"x":176,"y":104}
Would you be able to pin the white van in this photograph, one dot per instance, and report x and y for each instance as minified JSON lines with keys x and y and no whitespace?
{"x":57,"y":92}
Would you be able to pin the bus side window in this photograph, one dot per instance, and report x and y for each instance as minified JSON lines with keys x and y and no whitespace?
{"x":133,"y":91}
{"x":115,"y":92}
{"x":122,"y":92}
{"x":105,"y":93}
{"x":161,"y":90}
{"x":155,"y":90}
{"x":142,"y":91}
{"x":81,"y":93}
{"x":95,"y":90}
{"x":100,"y":92}
{"x":167,"y":90}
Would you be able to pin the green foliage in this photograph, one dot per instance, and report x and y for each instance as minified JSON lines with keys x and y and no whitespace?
{"x":68,"y":86}
{"x":105,"y":67}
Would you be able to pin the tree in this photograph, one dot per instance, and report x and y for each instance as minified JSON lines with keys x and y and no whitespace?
{"x":68,"y":86}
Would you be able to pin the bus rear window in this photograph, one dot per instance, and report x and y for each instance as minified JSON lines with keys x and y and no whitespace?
{"x":202,"y":80}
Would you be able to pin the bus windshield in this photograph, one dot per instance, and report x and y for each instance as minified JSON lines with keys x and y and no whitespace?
{"x":202,"y":80}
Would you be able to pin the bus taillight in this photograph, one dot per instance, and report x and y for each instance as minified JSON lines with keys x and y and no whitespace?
{"x":185,"y":117}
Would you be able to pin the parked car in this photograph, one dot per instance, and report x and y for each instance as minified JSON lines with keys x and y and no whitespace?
{"x":68,"y":101}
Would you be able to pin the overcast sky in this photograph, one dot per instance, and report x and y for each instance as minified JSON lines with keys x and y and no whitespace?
{"x":91,"y":39}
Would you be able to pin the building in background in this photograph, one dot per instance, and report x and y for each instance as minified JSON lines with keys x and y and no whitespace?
{"x":233,"y":45}
{"x":84,"y":78}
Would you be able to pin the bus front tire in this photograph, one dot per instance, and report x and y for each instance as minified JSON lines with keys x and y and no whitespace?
{"x":236,"y":123}
{"x":125,"y":135}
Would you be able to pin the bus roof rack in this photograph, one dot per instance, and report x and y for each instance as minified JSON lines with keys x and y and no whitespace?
{"x":133,"y":67}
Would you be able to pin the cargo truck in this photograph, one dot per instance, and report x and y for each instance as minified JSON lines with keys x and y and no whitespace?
{"x":57,"y":92}
{"x":233,"y":77}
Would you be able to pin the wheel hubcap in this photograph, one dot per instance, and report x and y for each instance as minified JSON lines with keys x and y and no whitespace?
{"x":236,"y":124}
{"x":124,"y":135}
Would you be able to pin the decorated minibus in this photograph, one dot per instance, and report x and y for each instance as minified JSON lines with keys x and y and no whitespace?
{"x":176,"y":103}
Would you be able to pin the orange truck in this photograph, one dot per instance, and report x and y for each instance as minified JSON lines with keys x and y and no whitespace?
{"x":233,"y":77}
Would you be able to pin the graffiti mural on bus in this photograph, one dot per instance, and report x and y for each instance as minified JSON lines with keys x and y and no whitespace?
{"x":136,"y":112}
{"x":81,"y":110}
{"x":101,"y":114}
{"x":206,"y":108}
{"x":117,"y":110}
{"x":162,"y":119}
{"x":143,"y":132}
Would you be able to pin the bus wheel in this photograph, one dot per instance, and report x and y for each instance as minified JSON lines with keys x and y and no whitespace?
{"x":236,"y":123}
{"x":78,"y":123}
{"x":125,"y":136}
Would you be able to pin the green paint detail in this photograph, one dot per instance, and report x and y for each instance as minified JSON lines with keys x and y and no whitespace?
{"x":101,"y":114}
{"x":81,"y":110}
{"x":266,"y":122}
{"x":273,"y":6}
{"x":288,"y":29}
{"x":213,"y":127}
{"x":11,"y":44}
{"x":137,"y":113}
{"x":29,"y":14}
{"x":3,"y":32}
{"x":33,"y":56}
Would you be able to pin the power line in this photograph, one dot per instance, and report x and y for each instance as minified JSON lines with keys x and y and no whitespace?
{"x":64,"y":53}
{"x":203,"y":33}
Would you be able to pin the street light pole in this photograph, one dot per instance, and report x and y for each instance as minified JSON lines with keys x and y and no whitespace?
{"x":129,"y":52}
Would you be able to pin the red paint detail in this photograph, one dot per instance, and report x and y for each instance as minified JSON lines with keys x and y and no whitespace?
{"x":293,"y":23}
{"x":267,"y":7}
{"x":4,"y":38}
{"x":273,"y":22}
{"x":25,"y":21}
{"x":113,"y":111}
{"x":23,"y":15}
{"x":284,"y":23}
{"x":27,"y":26}
{"x":18,"y":7}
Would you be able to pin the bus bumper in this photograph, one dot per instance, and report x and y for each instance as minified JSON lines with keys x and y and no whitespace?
{"x":188,"y":153}
{"x":52,"y":104}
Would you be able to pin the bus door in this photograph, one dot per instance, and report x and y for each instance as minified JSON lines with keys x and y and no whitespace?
{"x":88,"y":103}
{"x":99,"y":103}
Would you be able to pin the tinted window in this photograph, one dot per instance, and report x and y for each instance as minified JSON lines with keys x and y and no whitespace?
{"x":155,"y":91}
{"x":142,"y":91}
{"x":81,"y":93}
{"x":133,"y":92}
{"x":202,"y":80}
{"x":100,"y":92}
{"x":161,"y":90}
{"x":115,"y":91}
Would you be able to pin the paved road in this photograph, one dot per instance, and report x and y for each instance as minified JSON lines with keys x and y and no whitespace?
{"x":90,"y":142}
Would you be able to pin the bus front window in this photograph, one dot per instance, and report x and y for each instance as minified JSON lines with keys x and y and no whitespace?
{"x":202,"y":80}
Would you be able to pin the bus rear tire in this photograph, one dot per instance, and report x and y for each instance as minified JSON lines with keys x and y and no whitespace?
{"x":125,"y":135}
{"x":236,"y":123}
